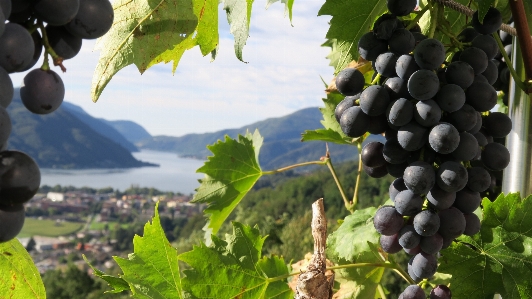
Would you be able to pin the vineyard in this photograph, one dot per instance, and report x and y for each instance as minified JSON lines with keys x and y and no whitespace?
{"x":445,"y":82}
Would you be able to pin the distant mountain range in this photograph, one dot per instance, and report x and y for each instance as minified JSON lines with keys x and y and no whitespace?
{"x":70,"y":138}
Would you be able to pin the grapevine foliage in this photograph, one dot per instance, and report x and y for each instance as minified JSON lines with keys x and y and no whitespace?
{"x":19,"y":277}
{"x":229,"y":175}
{"x":499,"y":258}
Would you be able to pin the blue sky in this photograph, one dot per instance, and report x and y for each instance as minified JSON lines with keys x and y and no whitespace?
{"x":282,"y":76}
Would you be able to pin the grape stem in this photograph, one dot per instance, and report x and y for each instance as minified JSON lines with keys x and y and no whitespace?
{"x":523,"y":35}
{"x":508,"y":62}
{"x":434,"y":19}
{"x":320,"y":162}
{"x":381,"y":291}
{"x":359,"y":174}
{"x":48,"y":50}
{"x":417,"y":18}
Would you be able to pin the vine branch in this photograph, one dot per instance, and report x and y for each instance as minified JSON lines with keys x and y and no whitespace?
{"x":518,"y":81}
{"x":523,"y":35}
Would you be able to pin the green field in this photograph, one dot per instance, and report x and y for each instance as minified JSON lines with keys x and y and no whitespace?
{"x":35,"y":227}
{"x":100,"y":225}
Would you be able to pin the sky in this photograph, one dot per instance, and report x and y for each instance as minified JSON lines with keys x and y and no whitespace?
{"x":282,"y":76}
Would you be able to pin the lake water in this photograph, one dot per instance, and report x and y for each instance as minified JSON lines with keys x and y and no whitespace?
{"x":174,"y":174}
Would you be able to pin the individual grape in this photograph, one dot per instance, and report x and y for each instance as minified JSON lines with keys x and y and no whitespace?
{"x":451,"y":176}
{"x":396,"y":186}
{"x":423,"y":85}
{"x":387,"y":221}
{"x":397,"y":88}
{"x":480,"y":79}
{"x":476,"y":58}
{"x":390,"y":244}
{"x":487,"y":44}
{"x":402,"y":41}
{"x":385,"y":64}
{"x":460,"y":73}
{"x":426,"y":223}
{"x":491,"y":23}
{"x":491,"y":73}
{"x":468,"y":35}
{"x":431,"y":244}
{"x":400,"y":112}
{"x":413,"y":292}
{"x":376,"y":172}
{"x":6,"y":88}
{"x":463,"y":119}
{"x":374,"y":100}
{"x":408,"y":238}
{"x":42,"y":92}
{"x":6,"y":6}
{"x":467,"y":201}
{"x":497,"y":124}
{"x":12,"y":219}
{"x":407,"y":203}
{"x":350,"y":81}
{"x":370,"y":47}
{"x":401,"y":7}
{"x":429,"y":54}
{"x":65,"y":45}
{"x":467,"y":148}
{"x":447,"y":242}
{"x":427,"y":113}
{"x":347,"y":102}
{"x":481,"y":138}
{"x":411,"y":273}
{"x":396,"y":170}
{"x":419,"y":177}
{"x":424,"y":265}
{"x":406,"y":66}
{"x":481,"y":96}
{"x":444,"y":138}
{"x":38,"y":46}
{"x":486,"y":134}
{"x":56,"y":12}
{"x":372,"y":154}
{"x":394,"y":153}
{"x":452,"y":224}
{"x":495,"y":156}
{"x":450,"y":98}
{"x":377,"y":124}
{"x":412,"y":136}
{"x":478,"y":124}
{"x":440,"y":292}
{"x":93,"y":19}
{"x":413,"y":251}
{"x":17,"y":48}
{"x":478,"y":179}
{"x":19,"y":178}
{"x":354,"y":122}
{"x":385,"y":25}
{"x":472,"y":226}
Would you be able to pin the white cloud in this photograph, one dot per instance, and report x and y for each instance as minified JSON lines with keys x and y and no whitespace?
{"x":282,"y":76}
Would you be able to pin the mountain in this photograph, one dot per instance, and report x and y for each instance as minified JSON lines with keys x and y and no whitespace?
{"x":100,"y":125}
{"x":282,"y":145}
{"x":132,"y":131}
{"x":62,"y":140}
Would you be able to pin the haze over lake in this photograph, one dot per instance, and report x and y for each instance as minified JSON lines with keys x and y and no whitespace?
{"x":174,"y":174}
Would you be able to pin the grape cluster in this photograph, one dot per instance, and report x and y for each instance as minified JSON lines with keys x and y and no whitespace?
{"x":441,"y":138}
{"x":26,"y":28}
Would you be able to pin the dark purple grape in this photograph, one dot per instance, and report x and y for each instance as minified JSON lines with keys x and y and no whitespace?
{"x":426,"y":223}
{"x":487,"y":44}
{"x":56,"y":12}
{"x":401,"y":7}
{"x":407,"y":203}
{"x":452,"y":224}
{"x":463,"y":119}
{"x":347,"y":102}
{"x":370,"y":47}
{"x":400,"y":112}
{"x":476,"y":58}
{"x":431,"y":244}
{"x":481,"y":96}
{"x":387,"y":221}
{"x":478,"y":124}
{"x":497,"y":124}
{"x":402,"y":41}
{"x":372,"y":154}
{"x":377,"y":124}
{"x":412,"y":136}
{"x":480,"y":79}
{"x":467,"y":148}
{"x":413,"y":292}
{"x":397,"y":88}
{"x":350,"y":81}
{"x":408,"y":237}
{"x":429,"y":54}
{"x":495,"y":156}
{"x":376,"y":172}
{"x":37,"y":42}
{"x":394,"y":153}
{"x":390,"y":244}
{"x":427,"y":113}
{"x":385,"y":64}
{"x":419,"y":177}
{"x":472,"y":226}
{"x":468,"y":35}
{"x":374,"y":100}
{"x":42,"y":92}
{"x":491,"y":23}
{"x":491,"y":73}
{"x":440,"y":292}
{"x":423,"y":85}
{"x":65,"y":45}
{"x":444,"y":138}
{"x":406,"y":66}
{"x":396,"y":170}
{"x":413,"y":251}
{"x":93,"y":20}
{"x":411,"y":273}
{"x":354,"y":122}
{"x":424,"y":265}
{"x":385,"y":25}
{"x":396,"y":186}
{"x":17,"y":48}
{"x":460,"y":73}
{"x":478,"y":179}
{"x":19,"y":178}
{"x":6,"y":6}
{"x":450,"y":98}
{"x":467,"y":201}
{"x":451,"y":176}
{"x":12,"y":219}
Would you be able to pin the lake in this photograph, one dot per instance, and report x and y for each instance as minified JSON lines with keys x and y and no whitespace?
{"x":174,"y":174}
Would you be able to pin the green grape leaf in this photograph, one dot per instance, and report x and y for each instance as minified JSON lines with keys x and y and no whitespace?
{"x":353,"y":242}
{"x":483,"y":7}
{"x":350,"y":20}
{"x":233,"y":268}
{"x":19,"y":278}
{"x":288,"y":6}
{"x":238,"y":16}
{"x":148,"y":32}
{"x":326,"y":135}
{"x":151,"y":271}
{"x":453,"y":21}
{"x":118,"y":284}
{"x":229,"y":175}
{"x":499,"y":258}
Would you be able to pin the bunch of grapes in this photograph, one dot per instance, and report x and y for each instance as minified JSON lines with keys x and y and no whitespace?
{"x":26,"y":28}
{"x":440,"y":134}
